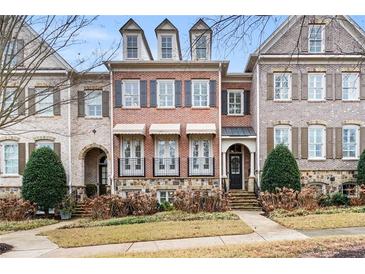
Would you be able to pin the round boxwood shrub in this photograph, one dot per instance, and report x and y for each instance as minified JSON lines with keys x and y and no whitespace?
{"x":44,"y":179}
{"x":361,"y":169}
{"x":280,"y":170}
{"x":91,"y":190}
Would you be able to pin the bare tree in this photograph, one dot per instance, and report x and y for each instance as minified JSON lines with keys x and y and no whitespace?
{"x":26,"y":45}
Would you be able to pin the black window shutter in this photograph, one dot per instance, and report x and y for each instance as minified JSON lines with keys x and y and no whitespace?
{"x":118,"y":93}
{"x":187,"y":93}
{"x":246,"y":102}
{"x":178,"y":93}
{"x":212,"y":96}
{"x":143,"y":93}
{"x":224,"y":102}
{"x":153,"y":91}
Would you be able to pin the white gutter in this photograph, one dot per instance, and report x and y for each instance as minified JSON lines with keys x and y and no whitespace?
{"x":220,"y":125}
{"x":111,"y":108}
{"x":69,"y":138}
{"x":258,"y":120}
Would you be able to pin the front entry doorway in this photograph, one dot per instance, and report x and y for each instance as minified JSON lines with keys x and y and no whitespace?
{"x":235,"y":171}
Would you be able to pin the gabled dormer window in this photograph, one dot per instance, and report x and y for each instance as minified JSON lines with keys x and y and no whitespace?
{"x":132,"y":46}
{"x":166,"y":46}
{"x":201,"y":47}
{"x":316,"y":38}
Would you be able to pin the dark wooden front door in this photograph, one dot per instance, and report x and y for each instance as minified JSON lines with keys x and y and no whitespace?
{"x":235,"y":171}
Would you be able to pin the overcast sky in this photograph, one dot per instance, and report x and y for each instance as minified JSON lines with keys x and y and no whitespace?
{"x":104,"y":34}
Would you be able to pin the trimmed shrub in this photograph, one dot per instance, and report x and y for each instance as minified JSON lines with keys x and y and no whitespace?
{"x":337,"y":199}
{"x":90,"y":190}
{"x":289,"y":199}
{"x":44,"y":179}
{"x":280,"y":170}
{"x":15,"y":209}
{"x":165,"y":206}
{"x":196,"y":201}
{"x":361,"y":169}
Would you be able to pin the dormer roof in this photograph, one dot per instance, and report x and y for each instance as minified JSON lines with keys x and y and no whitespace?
{"x":167,"y":26}
{"x":132,"y":26}
{"x":200,"y":25}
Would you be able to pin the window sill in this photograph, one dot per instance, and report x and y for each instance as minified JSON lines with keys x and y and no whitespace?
{"x":200,"y":107}
{"x":131,"y":108}
{"x":235,"y":115}
{"x":9,"y":176}
{"x":166,"y":108}
{"x":45,"y":116}
{"x":93,"y":118}
{"x":282,"y":101}
{"x":351,"y":101}
{"x":317,"y":159}
{"x":316,"y":101}
{"x":350,"y":159}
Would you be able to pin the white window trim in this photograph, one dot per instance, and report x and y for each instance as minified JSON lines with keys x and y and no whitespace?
{"x":323,"y":84}
{"x":158,"y":93}
{"x":242,"y":102}
{"x":40,"y":113}
{"x":3,"y":144}
{"x":323,"y":157}
{"x":123,"y":93}
{"x":172,"y":46}
{"x":192,"y":93}
{"x":86,"y":104}
{"x":289,"y":86}
{"x":167,"y":138}
{"x":167,"y":195}
{"x":289,"y":135}
{"x":323,"y":35}
{"x":131,"y":138}
{"x":357,"y":152}
{"x":357,"y":87}
{"x":168,"y":171}
{"x":4,"y":95}
{"x":126,"y":47}
{"x":200,"y":138}
{"x":197,"y":37}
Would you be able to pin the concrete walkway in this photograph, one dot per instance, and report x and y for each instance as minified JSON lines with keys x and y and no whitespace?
{"x":28,"y":244}
{"x":346,"y":231}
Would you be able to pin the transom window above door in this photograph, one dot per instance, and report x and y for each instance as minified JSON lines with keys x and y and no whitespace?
{"x":131,"y":93}
{"x":282,"y":135}
{"x":316,"y":38}
{"x":235,"y":102}
{"x":93,"y":102}
{"x":350,"y":86}
{"x":316,"y":86}
{"x":282,"y":86}
{"x":166,"y":93}
{"x":200,"y":93}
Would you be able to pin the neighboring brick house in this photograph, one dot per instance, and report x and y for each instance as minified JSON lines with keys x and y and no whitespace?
{"x":310,"y":97}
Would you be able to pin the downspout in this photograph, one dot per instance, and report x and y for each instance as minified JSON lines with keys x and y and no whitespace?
{"x":111,"y":132}
{"x":220,"y":125}
{"x":69,"y":138}
{"x":258,"y":121}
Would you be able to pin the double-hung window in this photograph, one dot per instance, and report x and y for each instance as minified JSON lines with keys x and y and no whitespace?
{"x":93,"y":101}
{"x":132,"y":161}
{"x":44,"y":102}
{"x":282,"y":89}
{"x":201,"y":47}
{"x":10,"y":158}
{"x":282,"y":135}
{"x":316,"y":86}
{"x":131,"y":94}
{"x":200,"y":93}
{"x":166,"y":161}
{"x":201,"y":161}
{"x":166,"y":46}
{"x":235,"y":102}
{"x":132,"y":46}
{"x":316,"y":38}
{"x":166,"y":93}
{"x":316,"y":142}
{"x":350,"y":86}
{"x":10,"y":105}
{"x":350,"y":142}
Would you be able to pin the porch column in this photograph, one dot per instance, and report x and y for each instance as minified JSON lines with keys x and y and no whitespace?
{"x":252,"y":164}
{"x":224,"y":167}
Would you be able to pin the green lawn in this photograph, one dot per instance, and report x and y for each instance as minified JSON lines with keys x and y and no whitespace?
{"x":318,"y":247}
{"x":161,"y":226}
{"x":6,"y":226}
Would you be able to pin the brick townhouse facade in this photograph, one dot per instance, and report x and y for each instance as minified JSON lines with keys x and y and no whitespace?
{"x":168,"y":123}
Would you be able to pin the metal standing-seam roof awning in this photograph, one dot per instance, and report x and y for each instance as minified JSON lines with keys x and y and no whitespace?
{"x":165,"y":129}
{"x":203,"y":128}
{"x":129,"y":129}
{"x":238,"y":131}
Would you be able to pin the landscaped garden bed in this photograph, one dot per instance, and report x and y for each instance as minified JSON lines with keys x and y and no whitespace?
{"x":336,"y":247}
{"x":161,"y":226}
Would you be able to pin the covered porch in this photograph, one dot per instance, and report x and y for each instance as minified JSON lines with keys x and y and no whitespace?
{"x":238,"y":158}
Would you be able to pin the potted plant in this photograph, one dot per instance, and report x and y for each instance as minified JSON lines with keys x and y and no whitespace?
{"x":66,"y":207}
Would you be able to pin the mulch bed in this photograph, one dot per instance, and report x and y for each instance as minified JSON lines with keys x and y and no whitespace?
{"x":5,"y":248}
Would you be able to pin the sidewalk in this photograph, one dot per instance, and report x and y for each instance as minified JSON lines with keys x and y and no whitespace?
{"x":265,"y":230}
